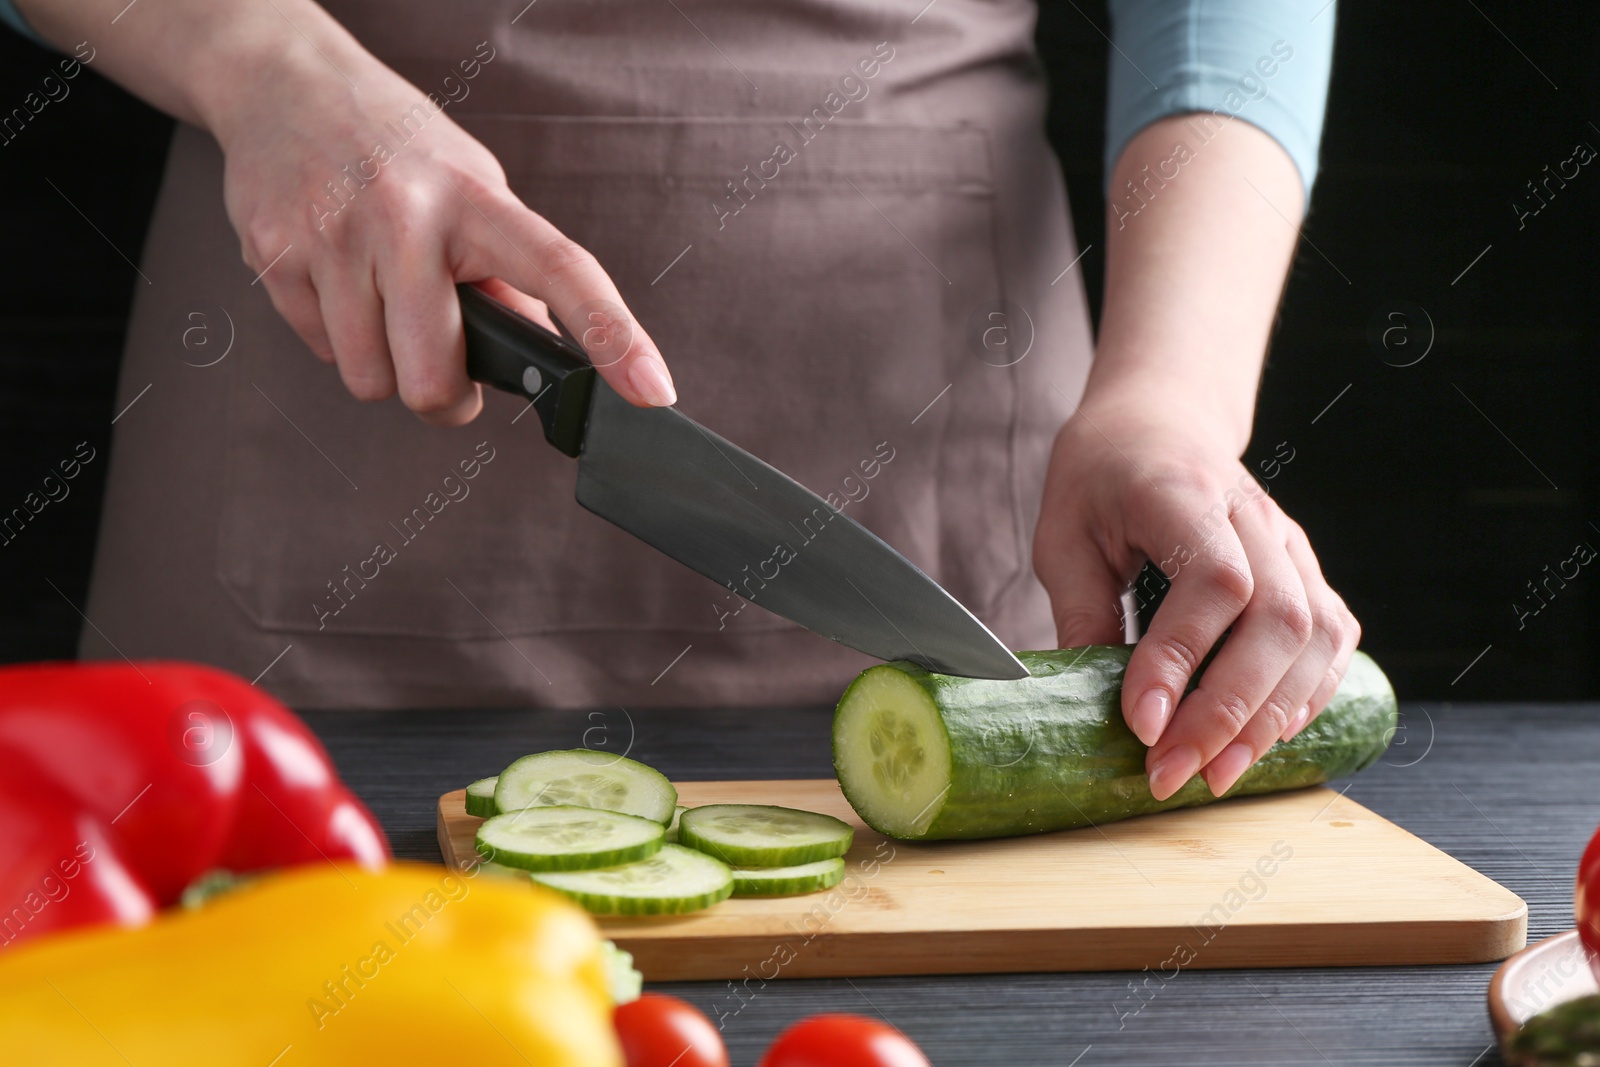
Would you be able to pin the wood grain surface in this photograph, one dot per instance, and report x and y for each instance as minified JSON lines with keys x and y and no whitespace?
{"x":1508,"y":789}
{"x":1307,"y":878}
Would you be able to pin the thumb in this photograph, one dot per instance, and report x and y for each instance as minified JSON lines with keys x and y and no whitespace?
{"x":1085,"y":590}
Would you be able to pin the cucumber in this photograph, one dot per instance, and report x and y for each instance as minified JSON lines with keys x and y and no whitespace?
{"x":672,"y":827}
{"x":673,"y":881}
{"x":586,"y":779}
{"x":567,"y":838}
{"x":497,"y":870}
{"x":787,"y":881}
{"x":480,"y":797}
{"x":759,"y":835}
{"x":925,"y":756}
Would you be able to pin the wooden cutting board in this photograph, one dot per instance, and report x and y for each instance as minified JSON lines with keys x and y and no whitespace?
{"x":1308,"y":878}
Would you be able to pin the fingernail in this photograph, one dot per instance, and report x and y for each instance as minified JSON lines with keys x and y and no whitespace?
{"x":1297,"y":723}
{"x":1228,"y":767}
{"x":650,"y":379}
{"x":1172,"y":770}
{"x":1149,"y":716}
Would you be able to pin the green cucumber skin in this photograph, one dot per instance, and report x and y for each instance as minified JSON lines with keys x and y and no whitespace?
{"x":1052,"y":752}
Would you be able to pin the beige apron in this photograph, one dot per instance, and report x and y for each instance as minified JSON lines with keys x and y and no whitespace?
{"x":840,"y":221}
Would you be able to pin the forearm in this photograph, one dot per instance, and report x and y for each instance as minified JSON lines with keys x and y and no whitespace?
{"x":1197,"y":251}
{"x":201,"y":61}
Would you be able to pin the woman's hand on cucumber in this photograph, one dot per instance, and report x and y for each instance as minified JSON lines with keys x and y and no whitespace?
{"x":1127,"y":484}
{"x":1192,"y":287}
{"x":360,"y":246}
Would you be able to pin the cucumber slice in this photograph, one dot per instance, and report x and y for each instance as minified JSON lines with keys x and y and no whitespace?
{"x":567,"y":838}
{"x":759,"y":835}
{"x":497,"y":870}
{"x":480,"y":797}
{"x":787,"y":881}
{"x":673,"y":881}
{"x":672,"y":827}
{"x":583,"y":778}
{"x":623,"y":980}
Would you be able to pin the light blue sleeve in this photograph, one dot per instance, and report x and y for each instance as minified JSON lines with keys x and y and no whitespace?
{"x":13,"y":18}
{"x":1264,"y":61}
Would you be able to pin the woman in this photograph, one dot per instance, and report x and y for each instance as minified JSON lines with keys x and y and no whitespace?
{"x":843,"y":224}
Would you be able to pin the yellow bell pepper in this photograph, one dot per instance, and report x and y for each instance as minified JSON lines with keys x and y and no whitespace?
{"x":329,"y":964}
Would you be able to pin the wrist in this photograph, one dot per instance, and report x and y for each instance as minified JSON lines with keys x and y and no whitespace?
{"x":1131,"y":391}
{"x":265,"y":65}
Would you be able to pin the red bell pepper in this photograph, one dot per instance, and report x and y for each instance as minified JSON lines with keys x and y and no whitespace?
{"x":120,"y":784}
{"x":1586,"y":902}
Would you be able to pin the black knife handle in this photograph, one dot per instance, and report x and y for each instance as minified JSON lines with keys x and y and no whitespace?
{"x":521,"y":357}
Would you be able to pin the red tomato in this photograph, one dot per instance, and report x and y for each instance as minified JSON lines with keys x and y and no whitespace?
{"x":842,"y":1041}
{"x":1586,"y":902}
{"x":662,"y":1031}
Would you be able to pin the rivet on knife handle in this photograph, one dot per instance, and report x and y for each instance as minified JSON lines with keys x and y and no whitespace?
{"x":521,"y":357}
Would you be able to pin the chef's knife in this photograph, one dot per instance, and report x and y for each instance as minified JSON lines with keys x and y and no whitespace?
{"x":723,"y":512}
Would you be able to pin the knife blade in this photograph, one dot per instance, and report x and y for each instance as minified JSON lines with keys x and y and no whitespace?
{"x":725,"y":513}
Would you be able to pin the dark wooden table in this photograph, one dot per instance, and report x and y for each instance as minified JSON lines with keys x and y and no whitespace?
{"x":1508,"y":789}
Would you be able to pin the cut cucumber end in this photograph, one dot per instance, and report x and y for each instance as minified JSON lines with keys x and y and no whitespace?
{"x":787,"y":881}
{"x":673,"y":881}
{"x":584,"y":778}
{"x":891,"y":752}
{"x":567,"y":838}
{"x":761,"y":835}
{"x":480,"y":797}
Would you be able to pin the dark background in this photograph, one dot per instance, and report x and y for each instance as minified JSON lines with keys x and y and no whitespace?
{"x":1430,"y":515}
